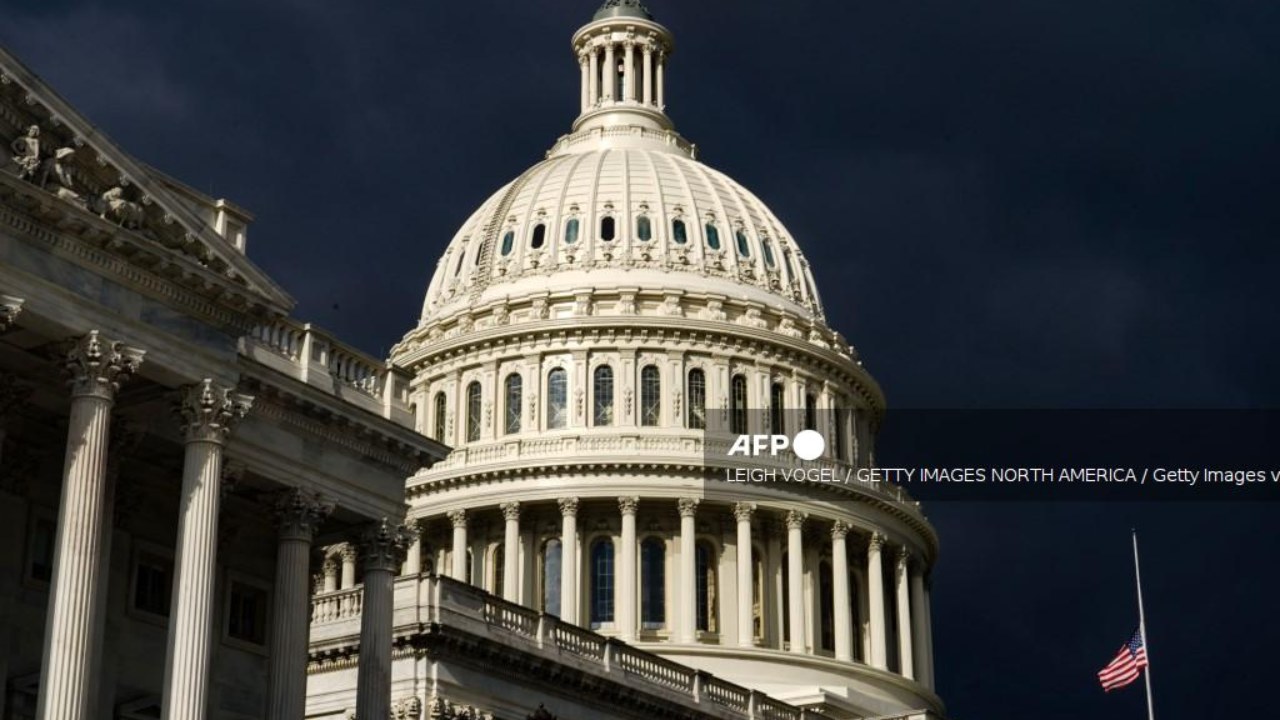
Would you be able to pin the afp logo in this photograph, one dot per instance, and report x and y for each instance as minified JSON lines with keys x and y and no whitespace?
{"x":807,"y":445}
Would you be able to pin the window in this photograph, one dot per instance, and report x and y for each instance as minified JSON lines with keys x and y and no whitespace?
{"x":738,"y":405}
{"x":571,"y":231}
{"x":515,"y":385}
{"x":539,"y":236}
{"x":40,"y":544}
{"x":499,"y":563}
{"x":247,"y":613}
{"x":743,"y":248}
{"x":713,"y":237}
{"x":480,"y":253}
{"x":601,"y":582}
{"x":786,"y":597}
{"x":440,"y":411}
{"x":644,"y":229}
{"x":810,"y":412}
{"x":678,"y":233}
{"x":473,"y":411}
{"x":788,"y":272}
{"x":650,"y":396}
{"x":551,"y":577}
{"x":697,"y":392}
{"x":152,"y":581}
{"x":462,"y":256}
{"x":508,"y":242}
{"x":704,"y":556}
{"x":606,"y":229}
{"x":837,"y":431}
{"x":777,"y":405}
{"x":602,"y":393}
{"x":557,"y":399}
{"x":653,"y":583}
{"x":826,"y":608}
{"x":766,"y":248}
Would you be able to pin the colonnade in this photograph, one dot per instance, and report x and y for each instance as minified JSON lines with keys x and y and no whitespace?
{"x":631,"y":70}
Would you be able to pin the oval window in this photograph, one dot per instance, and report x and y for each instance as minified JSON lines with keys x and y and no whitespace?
{"x":743,"y":248}
{"x":508,"y":242}
{"x":713,"y":237}
{"x":678,"y":232}
{"x":571,"y":231}
{"x":606,"y":229}
{"x":643,"y":230}
{"x":539,"y":236}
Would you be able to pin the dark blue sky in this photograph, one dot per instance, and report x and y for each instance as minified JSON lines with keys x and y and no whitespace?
{"x":1014,"y":204}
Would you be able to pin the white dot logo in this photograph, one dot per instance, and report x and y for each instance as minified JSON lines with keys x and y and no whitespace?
{"x":808,"y":444}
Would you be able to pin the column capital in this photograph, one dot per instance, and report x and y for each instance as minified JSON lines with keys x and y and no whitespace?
{"x":209,"y":411}
{"x":510,"y":510}
{"x":347,"y":552}
{"x":875,"y":542}
{"x":628,"y":505}
{"x":383,"y":545}
{"x":839,"y":530}
{"x":10,"y":308}
{"x":688,"y":506}
{"x":743,"y":511}
{"x":457,"y":518}
{"x":568,"y":505}
{"x":903,"y":557}
{"x":299,"y":513}
{"x":795,"y":519}
{"x":97,"y":367}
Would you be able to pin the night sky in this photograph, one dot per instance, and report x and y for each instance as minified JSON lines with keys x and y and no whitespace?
{"x":1007,"y":204}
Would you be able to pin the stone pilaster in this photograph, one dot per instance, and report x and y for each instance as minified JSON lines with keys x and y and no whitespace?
{"x":795,"y":579}
{"x":569,"y":559}
{"x":96,"y":368}
{"x":511,"y":552}
{"x":209,"y":412}
{"x":382,"y":549}
{"x":298,"y":515}
{"x":742,"y":512}
{"x":627,"y":592}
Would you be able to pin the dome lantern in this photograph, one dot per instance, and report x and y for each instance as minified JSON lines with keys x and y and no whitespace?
{"x":622,"y":55}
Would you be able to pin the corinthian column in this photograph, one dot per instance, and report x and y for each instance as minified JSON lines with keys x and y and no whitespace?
{"x":627,"y":570}
{"x":746,"y":633}
{"x":458,"y":559}
{"x":610,"y":73}
{"x":795,"y":579}
{"x":569,"y":560}
{"x":919,"y":634}
{"x":900,"y":578}
{"x":511,"y":552}
{"x":875,"y":597}
{"x":298,"y":515}
{"x":381,"y":552}
{"x":840,"y":589}
{"x":688,"y":571}
{"x":97,"y":367}
{"x":209,"y":412}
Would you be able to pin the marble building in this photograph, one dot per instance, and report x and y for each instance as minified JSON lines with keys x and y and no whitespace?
{"x":585,"y":330}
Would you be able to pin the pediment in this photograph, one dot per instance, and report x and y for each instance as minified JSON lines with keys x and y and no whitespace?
{"x":55,"y":163}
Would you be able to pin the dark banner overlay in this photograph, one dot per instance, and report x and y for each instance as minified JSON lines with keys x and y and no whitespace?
{"x":981,"y":455}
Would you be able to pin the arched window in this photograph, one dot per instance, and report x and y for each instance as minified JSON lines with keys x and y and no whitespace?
{"x":697,"y":392}
{"x":539,"y":236}
{"x":650,"y":396}
{"x":602,"y":396}
{"x":441,"y":402}
{"x":571,"y":231}
{"x":826,"y":608}
{"x":499,"y":566}
{"x":777,"y":404}
{"x":508,"y":242}
{"x":713,"y":237}
{"x":551,"y":577}
{"x":678,"y":232}
{"x":738,"y":405}
{"x":704,"y":556}
{"x":653,"y":583}
{"x":644,"y":230}
{"x":601,"y":582}
{"x":557,"y":399}
{"x":473,"y":412}
{"x":810,"y":412}
{"x":766,"y":248}
{"x":744,"y":249}
{"x":515,"y":405}
{"x":606,"y":228}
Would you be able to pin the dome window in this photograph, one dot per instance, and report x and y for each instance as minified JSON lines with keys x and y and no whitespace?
{"x":738,"y":405}
{"x":644,"y":230}
{"x":713,"y":237}
{"x":777,"y":405}
{"x":697,"y":392}
{"x":601,"y":582}
{"x":602,"y":394}
{"x":744,"y":249}
{"x":551,"y":557}
{"x":439,"y":419}
{"x":508,"y":242}
{"x":653,"y":584}
{"x":810,"y":412}
{"x":462,"y":256}
{"x":678,"y":233}
{"x":571,"y":231}
{"x":766,"y":249}
{"x":705,"y":585}
{"x":539,"y":236}
{"x":650,"y":396}
{"x":606,"y":229}
{"x":473,"y":412}
{"x":514,"y":405}
{"x":557,"y":399}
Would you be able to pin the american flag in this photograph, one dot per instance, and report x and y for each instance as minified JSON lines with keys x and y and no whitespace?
{"x":1127,"y":666}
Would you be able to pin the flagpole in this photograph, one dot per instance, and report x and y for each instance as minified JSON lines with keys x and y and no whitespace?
{"x":1142,"y":627}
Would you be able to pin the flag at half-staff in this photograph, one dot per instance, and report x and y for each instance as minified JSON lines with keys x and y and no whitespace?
{"x":1127,"y":665}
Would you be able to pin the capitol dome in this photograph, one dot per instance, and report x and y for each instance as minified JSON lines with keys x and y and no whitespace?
{"x":589,"y":336}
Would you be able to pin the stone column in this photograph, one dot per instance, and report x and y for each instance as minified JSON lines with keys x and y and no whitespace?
{"x":329,"y":569}
{"x":795,"y":579}
{"x":209,"y":411}
{"x":920,"y":652}
{"x":648,"y":75}
{"x":594,"y":90}
{"x":458,"y":561}
{"x":511,"y":552}
{"x":629,"y":71}
{"x":662,"y":91}
{"x":688,"y":631}
{"x":584,"y":63}
{"x":96,"y":367}
{"x":742,"y":512}
{"x":413,"y":556}
{"x":875,"y":595}
{"x":610,"y":79}
{"x":381,"y":550}
{"x":900,"y":581}
{"x":842,"y":608}
{"x":569,"y":559}
{"x":627,"y":591}
{"x":928,"y":637}
{"x":349,"y":555}
{"x":298,"y":515}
